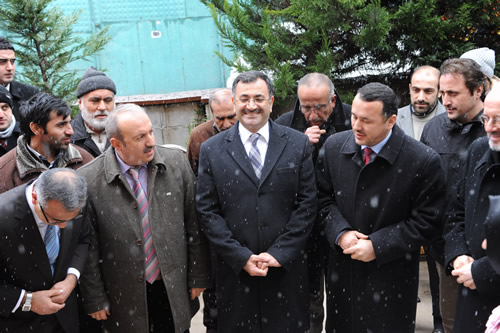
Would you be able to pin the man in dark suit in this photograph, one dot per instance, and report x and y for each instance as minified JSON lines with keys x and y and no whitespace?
{"x":43,"y":250}
{"x":381,"y":195}
{"x":19,"y":91}
{"x":256,"y":203}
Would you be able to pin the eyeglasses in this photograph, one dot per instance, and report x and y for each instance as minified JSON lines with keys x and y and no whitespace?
{"x":256,"y":100}
{"x":58,"y":221}
{"x":4,"y":61}
{"x":309,"y":108}
{"x":494,"y":120}
{"x":226,"y":117}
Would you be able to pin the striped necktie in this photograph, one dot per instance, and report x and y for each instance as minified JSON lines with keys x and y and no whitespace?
{"x":51,"y":241}
{"x":254,"y":155}
{"x":151,"y":260}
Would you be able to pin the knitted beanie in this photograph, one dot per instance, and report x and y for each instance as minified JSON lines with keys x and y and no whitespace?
{"x":5,"y":96}
{"x":485,"y":57}
{"x":93,"y":80}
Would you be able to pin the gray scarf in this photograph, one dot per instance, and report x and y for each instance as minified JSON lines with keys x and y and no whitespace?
{"x":8,"y":131}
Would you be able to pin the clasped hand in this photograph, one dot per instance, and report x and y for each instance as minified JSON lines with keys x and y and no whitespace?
{"x":358,"y":245}
{"x":258,"y":265}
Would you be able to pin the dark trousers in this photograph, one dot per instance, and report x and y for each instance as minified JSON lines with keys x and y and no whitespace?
{"x":159,"y":311}
{"x":50,"y":324}
{"x":434,"y":284}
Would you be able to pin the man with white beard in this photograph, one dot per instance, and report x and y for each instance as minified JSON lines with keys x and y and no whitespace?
{"x":96,"y":99}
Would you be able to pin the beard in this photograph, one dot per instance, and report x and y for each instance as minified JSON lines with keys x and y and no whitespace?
{"x":493,"y":146}
{"x":92,"y":121}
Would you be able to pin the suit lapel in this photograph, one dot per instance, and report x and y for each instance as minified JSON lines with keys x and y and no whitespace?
{"x":29,"y":236}
{"x":275,"y":148}
{"x":64,"y":243}
{"x":237,"y":151}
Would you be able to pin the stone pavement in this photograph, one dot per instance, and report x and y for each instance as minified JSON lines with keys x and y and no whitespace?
{"x":424,"y":308}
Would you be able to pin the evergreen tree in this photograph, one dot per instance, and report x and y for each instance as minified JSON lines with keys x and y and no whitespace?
{"x":351,"y":38}
{"x":46,"y":44}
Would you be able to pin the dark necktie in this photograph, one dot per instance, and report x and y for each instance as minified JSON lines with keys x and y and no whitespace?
{"x":368,"y":152}
{"x":151,"y":260}
{"x":51,"y":241}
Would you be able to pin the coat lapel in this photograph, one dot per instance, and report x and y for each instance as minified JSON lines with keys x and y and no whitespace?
{"x":275,"y":148}
{"x":64,"y":241}
{"x":29,"y":236}
{"x":236,"y":150}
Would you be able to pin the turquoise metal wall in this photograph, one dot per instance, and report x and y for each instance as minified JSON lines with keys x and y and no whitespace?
{"x":157,"y":46}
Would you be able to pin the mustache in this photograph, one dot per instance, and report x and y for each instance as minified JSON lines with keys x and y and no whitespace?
{"x":100,"y":113}
{"x":148,"y":149}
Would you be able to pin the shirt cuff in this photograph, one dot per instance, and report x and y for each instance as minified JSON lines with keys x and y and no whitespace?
{"x":18,"y":304}
{"x":75,"y":272}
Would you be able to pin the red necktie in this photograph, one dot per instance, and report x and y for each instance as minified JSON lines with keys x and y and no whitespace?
{"x":367,"y":151}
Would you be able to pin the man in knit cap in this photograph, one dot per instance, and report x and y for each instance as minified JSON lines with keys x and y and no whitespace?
{"x":19,"y":91}
{"x":9,"y":128}
{"x":485,"y":58}
{"x":96,"y":99}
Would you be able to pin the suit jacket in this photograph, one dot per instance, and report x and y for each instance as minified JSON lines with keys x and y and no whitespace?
{"x":114,"y":273}
{"x":20,"y":92}
{"x":242,"y":215}
{"x":405,"y":122}
{"x":397,"y":200}
{"x":24,"y":263}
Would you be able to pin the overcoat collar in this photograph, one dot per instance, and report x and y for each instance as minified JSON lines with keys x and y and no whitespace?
{"x":112,"y":168}
{"x":389,"y":152}
{"x":275,"y":148}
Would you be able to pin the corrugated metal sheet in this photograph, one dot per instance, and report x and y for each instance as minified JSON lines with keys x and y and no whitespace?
{"x":157,"y":46}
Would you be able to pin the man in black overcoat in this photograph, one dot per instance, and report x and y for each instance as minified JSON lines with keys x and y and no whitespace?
{"x":479,"y":290}
{"x":256,"y":202}
{"x":380,"y":194}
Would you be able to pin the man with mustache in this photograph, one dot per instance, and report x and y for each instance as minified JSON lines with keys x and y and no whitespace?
{"x":450,"y":134}
{"x":479,"y":283}
{"x":256,"y":202}
{"x":9,"y":126}
{"x":147,"y":262}
{"x":319,"y":113}
{"x":425,"y":105}
{"x":44,"y":143}
{"x":224,"y":117}
{"x":96,"y":99}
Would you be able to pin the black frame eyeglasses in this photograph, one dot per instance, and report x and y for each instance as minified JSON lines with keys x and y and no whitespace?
{"x":58,"y":221}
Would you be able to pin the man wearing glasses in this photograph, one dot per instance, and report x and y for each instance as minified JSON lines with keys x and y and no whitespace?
{"x":256,"y":202}
{"x":319,"y":113}
{"x":19,"y":91}
{"x":43,"y":249}
{"x":224,"y":117}
{"x":450,"y":134}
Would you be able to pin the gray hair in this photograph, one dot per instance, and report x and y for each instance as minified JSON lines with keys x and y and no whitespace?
{"x":317,"y":79}
{"x":63,"y":185}
{"x":253,"y":76}
{"x":112,"y":127}
{"x":218,"y":95}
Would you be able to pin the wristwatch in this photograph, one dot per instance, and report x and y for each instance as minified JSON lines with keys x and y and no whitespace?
{"x":27,"y":303}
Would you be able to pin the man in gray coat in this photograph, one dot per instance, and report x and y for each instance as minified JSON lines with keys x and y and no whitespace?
{"x":425,"y":104}
{"x":147,"y":263}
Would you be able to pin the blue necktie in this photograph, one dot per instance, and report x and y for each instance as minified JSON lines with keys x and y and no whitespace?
{"x":51,"y":241}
